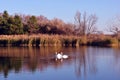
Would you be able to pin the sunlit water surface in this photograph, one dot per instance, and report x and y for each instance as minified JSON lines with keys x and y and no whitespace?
{"x":84,"y":63}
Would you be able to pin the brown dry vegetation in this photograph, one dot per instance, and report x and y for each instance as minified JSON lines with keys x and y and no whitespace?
{"x":27,"y":30}
{"x":39,"y":40}
{"x":57,"y":40}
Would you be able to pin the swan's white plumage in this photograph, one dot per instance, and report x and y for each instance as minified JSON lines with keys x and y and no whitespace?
{"x":65,"y":56}
{"x":61,"y":56}
{"x":58,"y":55}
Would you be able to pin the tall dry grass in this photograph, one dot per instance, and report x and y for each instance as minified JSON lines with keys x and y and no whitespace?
{"x":39,"y":40}
{"x":56,"y":40}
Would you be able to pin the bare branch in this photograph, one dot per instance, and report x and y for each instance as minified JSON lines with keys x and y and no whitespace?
{"x":85,"y":24}
{"x":114,"y":26}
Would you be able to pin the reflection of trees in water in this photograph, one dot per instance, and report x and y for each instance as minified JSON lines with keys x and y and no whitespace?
{"x":116,"y":61}
{"x":7,"y":64}
{"x":80,"y":61}
{"x":84,"y":62}
{"x":32,"y":59}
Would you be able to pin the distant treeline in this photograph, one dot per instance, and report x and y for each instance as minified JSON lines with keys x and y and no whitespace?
{"x":29,"y":24}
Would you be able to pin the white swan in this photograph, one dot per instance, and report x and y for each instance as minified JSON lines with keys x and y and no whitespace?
{"x":58,"y":55}
{"x":61,"y":56}
{"x":64,"y":56}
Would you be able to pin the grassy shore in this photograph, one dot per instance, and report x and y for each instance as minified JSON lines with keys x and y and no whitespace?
{"x":54,"y":40}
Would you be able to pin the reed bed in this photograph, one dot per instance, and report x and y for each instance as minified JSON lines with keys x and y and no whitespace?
{"x":55,"y":40}
{"x":39,"y":40}
{"x":106,"y":42}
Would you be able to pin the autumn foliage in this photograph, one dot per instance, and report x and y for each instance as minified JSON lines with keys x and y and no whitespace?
{"x":30,"y":24}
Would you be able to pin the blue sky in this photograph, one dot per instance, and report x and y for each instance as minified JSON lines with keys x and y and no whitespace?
{"x":64,"y":9}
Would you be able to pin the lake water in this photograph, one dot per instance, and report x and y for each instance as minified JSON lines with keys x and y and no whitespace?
{"x":84,"y":63}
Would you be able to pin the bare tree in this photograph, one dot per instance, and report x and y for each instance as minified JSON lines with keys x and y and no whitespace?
{"x":114,"y":26}
{"x":85,"y":25}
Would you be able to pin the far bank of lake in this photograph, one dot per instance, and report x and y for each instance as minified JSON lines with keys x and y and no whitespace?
{"x":59,"y":40}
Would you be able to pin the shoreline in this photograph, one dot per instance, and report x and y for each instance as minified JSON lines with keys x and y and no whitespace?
{"x":56,"y":40}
